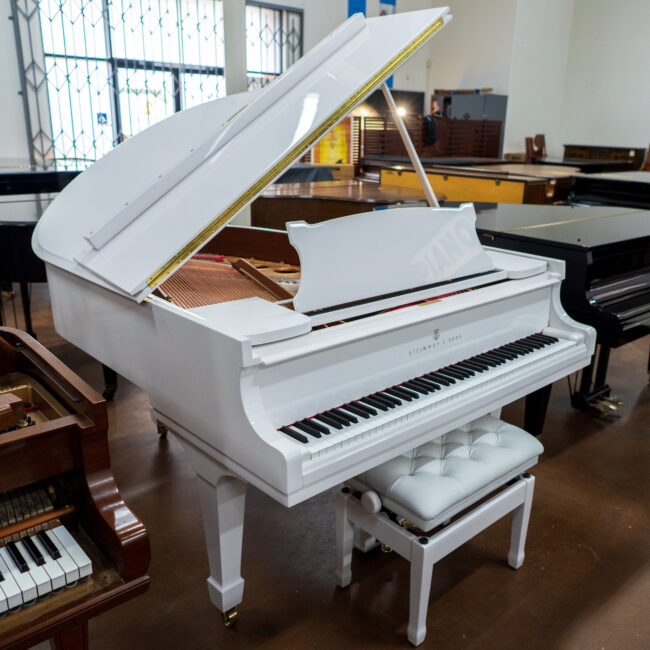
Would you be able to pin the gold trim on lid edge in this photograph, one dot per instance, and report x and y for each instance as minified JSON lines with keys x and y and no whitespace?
{"x":210,"y":230}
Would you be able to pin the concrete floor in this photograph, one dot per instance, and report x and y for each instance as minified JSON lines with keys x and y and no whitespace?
{"x":585,"y":583}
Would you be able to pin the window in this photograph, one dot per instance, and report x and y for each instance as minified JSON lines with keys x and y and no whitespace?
{"x":98,"y":71}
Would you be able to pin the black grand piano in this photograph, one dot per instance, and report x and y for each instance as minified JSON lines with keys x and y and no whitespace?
{"x":24,"y":195}
{"x":607,"y":285}
{"x":624,"y":188}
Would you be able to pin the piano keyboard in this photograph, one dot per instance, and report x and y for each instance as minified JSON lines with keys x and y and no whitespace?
{"x":35,"y":560}
{"x":340,"y":426}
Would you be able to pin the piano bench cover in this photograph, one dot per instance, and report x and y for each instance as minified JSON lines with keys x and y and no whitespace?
{"x":435,"y":481}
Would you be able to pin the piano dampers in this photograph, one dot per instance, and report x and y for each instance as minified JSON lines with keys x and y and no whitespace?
{"x":199,"y":283}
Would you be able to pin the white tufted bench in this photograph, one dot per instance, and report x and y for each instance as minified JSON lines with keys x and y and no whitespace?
{"x":424,"y":489}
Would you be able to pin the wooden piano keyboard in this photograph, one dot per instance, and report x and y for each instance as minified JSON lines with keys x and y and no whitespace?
{"x":64,"y":555}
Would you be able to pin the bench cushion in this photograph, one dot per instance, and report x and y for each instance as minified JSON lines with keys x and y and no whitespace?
{"x":440,"y":478}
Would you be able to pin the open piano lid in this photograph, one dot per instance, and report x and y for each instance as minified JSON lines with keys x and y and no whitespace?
{"x":141,"y":211}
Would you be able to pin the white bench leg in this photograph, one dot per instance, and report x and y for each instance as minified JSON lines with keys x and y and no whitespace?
{"x":520,"y":517}
{"x":344,"y":539}
{"x":421,"y":571}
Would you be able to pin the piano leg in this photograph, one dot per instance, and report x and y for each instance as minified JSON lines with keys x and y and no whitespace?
{"x":74,"y":637}
{"x":110,"y":383}
{"x":222,"y":498}
{"x":535,"y":412}
{"x":24,"y":296}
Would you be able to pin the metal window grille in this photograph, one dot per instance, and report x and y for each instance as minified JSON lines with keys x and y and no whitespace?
{"x":273,"y":41}
{"x":95,"y":72}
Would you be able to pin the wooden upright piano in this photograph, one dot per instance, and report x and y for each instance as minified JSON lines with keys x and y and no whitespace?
{"x":69,"y":546}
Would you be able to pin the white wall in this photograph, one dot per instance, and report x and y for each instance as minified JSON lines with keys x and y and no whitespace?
{"x":474,"y":49}
{"x":607,"y":89}
{"x":538,"y":69}
{"x":13,"y":137}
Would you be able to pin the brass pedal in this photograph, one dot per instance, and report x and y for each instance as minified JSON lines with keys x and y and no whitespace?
{"x":613,"y":399}
{"x":386,"y":549}
{"x":230,"y":617}
{"x":608,"y":404}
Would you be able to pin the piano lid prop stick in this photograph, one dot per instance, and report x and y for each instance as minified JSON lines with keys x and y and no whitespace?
{"x":410,"y":149}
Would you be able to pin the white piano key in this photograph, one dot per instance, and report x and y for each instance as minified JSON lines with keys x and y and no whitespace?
{"x":76,"y":552}
{"x":10,"y":587}
{"x":67,"y":564}
{"x":3,"y":601}
{"x":37,"y":573}
{"x":51,"y":566}
{"x":27,"y":587}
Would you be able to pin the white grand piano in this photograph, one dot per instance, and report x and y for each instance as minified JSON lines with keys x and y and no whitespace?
{"x":293,"y":360}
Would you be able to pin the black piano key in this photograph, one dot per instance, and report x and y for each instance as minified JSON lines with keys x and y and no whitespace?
{"x":329,"y":420}
{"x":341,"y":419}
{"x":429,"y":383}
{"x":476,"y":366}
{"x":536,"y":344}
{"x":344,"y":414}
{"x":374,"y":402}
{"x":441,"y":379}
{"x":420,"y":386}
{"x":459,"y":365}
{"x":318,"y":427}
{"x":451,"y":372}
{"x":520,"y":346}
{"x":312,"y":431}
{"x":483,"y":359}
{"x":494,"y":357}
{"x":54,"y":551}
{"x":535,"y":337}
{"x":465,"y":373}
{"x":17,"y":557}
{"x":296,"y":435}
{"x":34,"y":553}
{"x":509,"y":347}
{"x":400,"y":394}
{"x":359,"y":409}
{"x":527,"y":344}
{"x":388,"y":400}
{"x":550,"y":339}
{"x":403,"y":389}
{"x":508,"y":356}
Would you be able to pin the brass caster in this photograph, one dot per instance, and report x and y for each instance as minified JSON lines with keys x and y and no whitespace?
{"x":230,"y":617}
{"x":386,"y":549}
{"x":601,"y":410}
{"x":162,"y":430}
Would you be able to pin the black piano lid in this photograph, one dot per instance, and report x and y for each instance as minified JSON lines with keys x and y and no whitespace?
{"x":576,"y":227}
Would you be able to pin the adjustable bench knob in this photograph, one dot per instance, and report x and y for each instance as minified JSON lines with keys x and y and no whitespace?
{"x":371,"y":502}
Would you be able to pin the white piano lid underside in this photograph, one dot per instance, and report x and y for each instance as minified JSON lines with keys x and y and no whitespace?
{"x":190,"y":174}
{"x":371,"y":254}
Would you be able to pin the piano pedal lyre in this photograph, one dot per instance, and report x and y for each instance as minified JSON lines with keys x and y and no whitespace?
{"x":230,"y":617}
